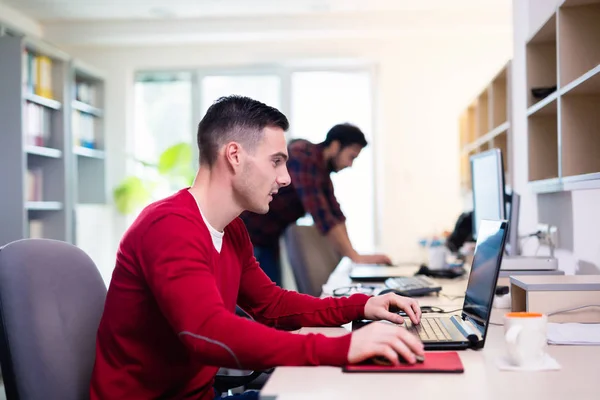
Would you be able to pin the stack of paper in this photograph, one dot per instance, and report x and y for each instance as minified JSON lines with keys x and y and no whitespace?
{"x":573,"y":333}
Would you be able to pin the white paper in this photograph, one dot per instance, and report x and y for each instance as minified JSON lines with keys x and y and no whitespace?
{"x":573,"y":333}
{"x":548,"y":364}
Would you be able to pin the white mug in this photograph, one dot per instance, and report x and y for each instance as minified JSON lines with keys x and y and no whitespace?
{"x":525,"y":336}
{"x":437,"y":257}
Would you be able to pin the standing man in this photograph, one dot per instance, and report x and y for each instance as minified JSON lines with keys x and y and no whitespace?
{"x":311,"y":191}
{"x":169,"y":321}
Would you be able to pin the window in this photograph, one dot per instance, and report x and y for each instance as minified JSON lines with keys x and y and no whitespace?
{"x":163,"y":117}
{"x":165,"y":114}
{"x":321,"y":100}
{"x":264,"y":88}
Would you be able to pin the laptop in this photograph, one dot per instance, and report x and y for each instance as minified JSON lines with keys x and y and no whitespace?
{"x":375,"y":273}
{"x":470,"y":328}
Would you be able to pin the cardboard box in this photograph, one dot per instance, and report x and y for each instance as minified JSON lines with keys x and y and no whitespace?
{"x":551,"y":293}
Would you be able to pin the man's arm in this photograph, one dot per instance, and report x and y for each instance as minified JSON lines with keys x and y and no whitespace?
{"x":318,"y":198}
{"x":176,"y":267}
{"x":338,"y":236}
{"x":273,"y":306}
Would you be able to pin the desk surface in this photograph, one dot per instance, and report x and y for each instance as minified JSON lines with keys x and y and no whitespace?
{"x":579,"y":377}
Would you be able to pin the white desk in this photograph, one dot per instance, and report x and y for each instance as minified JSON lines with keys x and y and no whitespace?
{"x":579,"y":377}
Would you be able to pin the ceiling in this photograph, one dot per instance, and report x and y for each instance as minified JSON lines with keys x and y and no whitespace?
{"x":89,"y":10}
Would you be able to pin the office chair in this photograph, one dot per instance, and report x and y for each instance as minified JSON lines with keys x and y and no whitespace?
{"x":311,"y":256}
{"x":51,"y":301}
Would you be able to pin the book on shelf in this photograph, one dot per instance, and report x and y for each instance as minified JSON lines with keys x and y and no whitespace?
{"x":85,"y":92}
{"x":83,"y":130}
{"x":36,"y":229}
{"x":37,"y":124}
{"x":33,"y":184}
{"x":37,"y":74}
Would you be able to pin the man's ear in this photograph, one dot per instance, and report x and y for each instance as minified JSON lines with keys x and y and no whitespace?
{"x":335,"y":146}
{"x":234,"y":154}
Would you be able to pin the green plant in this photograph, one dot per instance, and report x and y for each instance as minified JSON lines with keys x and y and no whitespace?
{"x":174,"y":169}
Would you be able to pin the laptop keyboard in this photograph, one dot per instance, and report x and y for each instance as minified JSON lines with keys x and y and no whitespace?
{"x":430,"y":329}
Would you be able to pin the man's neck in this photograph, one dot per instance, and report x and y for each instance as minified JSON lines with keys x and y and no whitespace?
{"x":215,"y":198}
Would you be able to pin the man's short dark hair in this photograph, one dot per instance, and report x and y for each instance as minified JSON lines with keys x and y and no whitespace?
{"x":235,"y":118}
{"x":347,"y":135}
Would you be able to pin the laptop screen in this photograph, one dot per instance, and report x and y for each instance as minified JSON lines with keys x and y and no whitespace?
{"x":484,"y":270}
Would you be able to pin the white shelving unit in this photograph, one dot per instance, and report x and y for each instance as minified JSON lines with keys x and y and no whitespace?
{"x":45,"y":173}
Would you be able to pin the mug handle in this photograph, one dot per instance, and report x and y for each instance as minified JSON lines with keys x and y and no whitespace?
{"x":512,"y":335}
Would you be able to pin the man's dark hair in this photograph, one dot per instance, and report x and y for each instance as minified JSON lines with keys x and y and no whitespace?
{"x":235,"y":118}
{"x":347,"y":135}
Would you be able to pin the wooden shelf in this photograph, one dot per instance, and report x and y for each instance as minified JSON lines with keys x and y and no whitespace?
{"x":482,"y":115}
{"x":546,"y":185}
{"x":544,"y":107}
{"x":90,"y":153}
{"x":43,"y":101}
{"x":541,"y":59}
{"x":580,"y":124}
{"x":543,"y":146}
{"x":88,"y":109}
{"x":43,"y":205}
{"x":582,"y":182}
{"x":499,"y":105}
{"x":579,"y":36}
{"x":588,"y":83}
{"x":43,"y":151}
{"x":485,"y":123}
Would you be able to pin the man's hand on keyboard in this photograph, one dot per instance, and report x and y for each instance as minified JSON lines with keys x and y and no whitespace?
{"x":378,"y":308}
{"x":384,"y":340}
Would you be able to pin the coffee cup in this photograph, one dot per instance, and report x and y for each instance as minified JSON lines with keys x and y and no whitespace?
{"x":525,"y":336}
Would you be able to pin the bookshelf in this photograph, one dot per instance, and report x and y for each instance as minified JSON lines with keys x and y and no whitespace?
{"x":563,"y":65}
{"x":485,"y":124}
{"x":87,"y":134}
{"x":41,"y":167}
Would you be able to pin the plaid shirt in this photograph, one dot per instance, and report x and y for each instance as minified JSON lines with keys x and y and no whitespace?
{"x":311,"y":191}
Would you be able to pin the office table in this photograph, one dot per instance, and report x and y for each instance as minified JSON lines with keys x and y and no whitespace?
{"x":578,"y":378}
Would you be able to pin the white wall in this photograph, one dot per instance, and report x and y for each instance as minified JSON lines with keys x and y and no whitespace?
{"x":577,"y":213}
{"x":19,"y":21}
{"x":422,"y":83}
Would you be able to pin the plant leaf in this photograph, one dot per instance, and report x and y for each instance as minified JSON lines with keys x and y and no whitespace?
{"x":130,"y":195}
{"x":175,"y":160}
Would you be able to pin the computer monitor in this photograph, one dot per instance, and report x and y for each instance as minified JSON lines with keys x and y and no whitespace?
{"x":513,"y":205}
{"x":487,"y":180}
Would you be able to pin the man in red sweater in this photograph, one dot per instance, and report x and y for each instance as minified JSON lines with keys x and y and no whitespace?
{"x":169,"y":321}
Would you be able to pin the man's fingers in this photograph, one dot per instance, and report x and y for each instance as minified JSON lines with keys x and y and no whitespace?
{"x":392,"y":317}
{"x":388,"y":352}
{"x":403,"y":350}
{"x":417,"y":309}
{"x":410,"y":313}
{"x":412,"y":341}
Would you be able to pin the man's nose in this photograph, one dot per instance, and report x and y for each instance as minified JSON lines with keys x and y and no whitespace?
{"x":284,"y":179}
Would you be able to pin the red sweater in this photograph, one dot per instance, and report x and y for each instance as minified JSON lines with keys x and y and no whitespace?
{"x":169,"y":321}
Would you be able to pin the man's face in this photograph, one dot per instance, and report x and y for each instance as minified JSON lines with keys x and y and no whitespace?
{"x":263,"y":172}
{"x":344,"y":157}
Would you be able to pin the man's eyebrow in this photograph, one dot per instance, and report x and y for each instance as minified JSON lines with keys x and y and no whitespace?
{"x":280,"y":154}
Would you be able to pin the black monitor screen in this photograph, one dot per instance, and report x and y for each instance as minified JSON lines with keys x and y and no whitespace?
{"x":484,"y":270}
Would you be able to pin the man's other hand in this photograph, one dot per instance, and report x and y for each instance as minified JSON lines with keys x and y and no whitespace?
{"x":378,"y":308}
